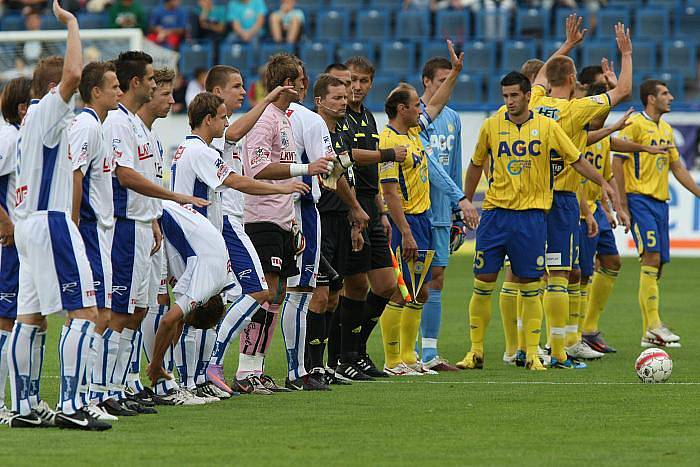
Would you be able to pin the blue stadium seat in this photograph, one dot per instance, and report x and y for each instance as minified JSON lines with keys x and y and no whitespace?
{"x":495,"y":93}
{"x":450,"y":24}
{"x":671,"y":4}
{"x":436,"y":48}
{"x":688,"y":22}
{"x":515,"y":53}
{"x":651,"y":23}
{"x":309,"y":5}
{"x":532,"y":22}
{"x":560,"y":21}
{"x":49,"y":22}
{"x":673,"y":81}
{"x":680,"y":56}
{"x":12,"y":23}
{"x":594,"y":51}
{"x":350,"y":49}
{"x":468,"y":91}
{"x":196,"y":55}
{"x":624,"y":3}
{"x":348,"y":4}
{"x":397,"y":57}
{"x":608,"y":18}
{"x":480,"y":56}
{"x":266,"y":50}
{"x":384,"y":4}
{"x":412,"y":24}
{"x":492,"y":25}
{"x":644,"y":55}
{"x":238,"y":55}
{"x":317,"y":56}
{"x":332,"y":24}
{"x":373,"y":24}
{"x":93,"y":21}
{"x":381,"y":87}
{"x":416,"y":81}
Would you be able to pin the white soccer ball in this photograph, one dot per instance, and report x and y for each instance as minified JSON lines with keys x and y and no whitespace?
{"x":654,"y":366}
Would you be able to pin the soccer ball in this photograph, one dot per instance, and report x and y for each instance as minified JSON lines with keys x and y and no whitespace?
{"x":654,"y":366}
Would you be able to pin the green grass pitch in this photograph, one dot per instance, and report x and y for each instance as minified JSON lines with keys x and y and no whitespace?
{"x":498,"y":416}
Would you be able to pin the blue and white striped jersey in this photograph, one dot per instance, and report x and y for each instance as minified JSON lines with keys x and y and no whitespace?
{"x":9,"y":136}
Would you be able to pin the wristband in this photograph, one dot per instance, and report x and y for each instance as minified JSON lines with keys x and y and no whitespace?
{"x":387,"y":155}
{"x":296,"y":170}
{"x":462,"y":198}
{"x":384,"y":214}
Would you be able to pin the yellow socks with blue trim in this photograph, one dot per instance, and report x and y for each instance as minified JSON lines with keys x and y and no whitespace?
{"x":600,"y":290}
{"x":574,"y":307}
{"x":556,"y":308}
{"x":410,"y":324}
{"x":583,"y":308}
{"x":532,"y":317}
{"x":649,"y":296}
{"x":480,"y":314}
{"x":390,"y":324}
{"x":508,"y":304}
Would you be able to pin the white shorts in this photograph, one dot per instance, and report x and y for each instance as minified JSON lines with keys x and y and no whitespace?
{"x":54,"y":271}
{"x":158,"y":277}
{"x":308,"y":219}
{"x":131,"y":265}
{"x":203,"y":278}
{"x":245,"y":263}
{"x":98,"y":247}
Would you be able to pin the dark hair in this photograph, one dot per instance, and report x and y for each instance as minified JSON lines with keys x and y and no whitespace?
{"x":218,"y":76}
{"x":400,"y":95}
{"x":93,"y":76}
{"x":48,"y":70}
{"x":280,"y":68}
{"x":433,"y":65}
{"x":558,"y":69}
{"x":16,"y":92}
{"x":362,"y":64}
{"x":531,"y":68}
{"x":587,"y":75}
{"x":337,"y":67}
{"x":131,"y":64}
{"x":595,"y":89}
{"x":325,"y":81}
{"x":163,"y":76}
{"x":207,"y":315}
{"x":515,"y":77}
{"x":204,"y":103}
{"x":648,"y":88}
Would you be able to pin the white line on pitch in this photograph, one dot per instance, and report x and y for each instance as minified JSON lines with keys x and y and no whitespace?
{"x":525,"y":383}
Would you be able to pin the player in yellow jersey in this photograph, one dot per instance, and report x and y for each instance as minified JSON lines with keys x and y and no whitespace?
{"x":520,"y":147}
{"x":643,"y":180}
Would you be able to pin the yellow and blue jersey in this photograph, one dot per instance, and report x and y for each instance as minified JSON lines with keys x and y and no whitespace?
{"x":647,"y":174}
{"x":523,"y":160}
{"x":598,"y":154}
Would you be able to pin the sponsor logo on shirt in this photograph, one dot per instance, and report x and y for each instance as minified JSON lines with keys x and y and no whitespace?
{"x":284,"y":139}
{"x":260,"y":156}
{"x":221,"y":168}
{"x":21,"y":194}
{"x":144,"y":151}
{"x":288,"y":157}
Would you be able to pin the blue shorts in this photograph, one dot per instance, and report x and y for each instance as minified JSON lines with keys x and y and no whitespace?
{"x":606,"y":245}
{"x":441,"y":245}
{"x":9,"y":281}
{"x":519,"y":234}
{"x":309,"y":221}
{"x":650,"y":225}
{"x":587,"y":248}
{"x":422,"y":234}
{"x":563,"y":229}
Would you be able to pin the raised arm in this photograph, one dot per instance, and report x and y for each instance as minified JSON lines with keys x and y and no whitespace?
{"x":574,"y":36}
{"x":73,"y":61}
{"x":442,"y":95}
{"x":624,"y":82}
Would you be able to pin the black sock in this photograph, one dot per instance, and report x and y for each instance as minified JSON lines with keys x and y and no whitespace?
{"x":351,"y":314}
{"x":333,"y":333}
{"x":373,"y":309}
{"x":315,"y":335}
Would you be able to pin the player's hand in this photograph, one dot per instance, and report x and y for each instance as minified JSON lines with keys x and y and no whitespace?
{"x":193,"y":200}
{"x":409,"y":247}
{"x":592,"y":225}
{"x":64,"y":16}
{"x":457,"y":62}
{"x":7,"y":233}
{"x":386,"y":225}
{"x":278,"y":91}
{"x":608,"y":215}
{"x":623,"y":218}
{"x":321,"y":166}
{"x":157,"y":236}
{"x":294,"y":186}
{"x":157,"y":373}
{"x":400,"y":153}
{"x":469,"y":214}
{"x":358,"y":218}
{"x":663,"y":149}
{"x":358,"y":241}
{"x":622,"y":37}
{"x":609,"y":73}
{"x":574,"y":33}
{"x":622,"y":122}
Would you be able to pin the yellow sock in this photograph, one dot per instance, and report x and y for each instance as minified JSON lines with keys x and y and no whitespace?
{"x":390,"y":324}
{"x":410,"y":324}
{"x":649,"y":296}
{"x":532,"y":317}
{"x":582,"y":309}
{"x":521,"y":331}
{"x":508,"y":304}
{"x":556,"y":307}
{"x":543,"y":288}
{"x":574,"y":307}
{"x":600,"y":290}
{"x":480,"y":314}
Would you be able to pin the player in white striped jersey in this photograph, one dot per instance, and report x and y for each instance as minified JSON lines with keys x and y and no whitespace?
{"x":54,"y":272}
{"x":136,"y":232}
{"x":93,"y":213}
{"x":15,"y":101}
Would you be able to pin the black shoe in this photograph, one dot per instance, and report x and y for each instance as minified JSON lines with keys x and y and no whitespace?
{"x":113,"y":407}
{"x":80,"y":420}
{"x":319,"y":374}
{"x":306,"y":383}
{"x":332,"y":379}
{"x":137,"y":407}
{"x":31,"y":420}
{"x":270,"y":384}
{"x":351,"y":372}
{"x":369,"y":368}
{"x":142,"y":397}
{"x":157,"y":400}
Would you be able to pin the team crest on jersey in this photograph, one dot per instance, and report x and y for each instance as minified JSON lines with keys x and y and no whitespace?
{"x":661,"y":163}
{"x":284,"y":139}
{"x":221,"y":167}
{"x":450,"y":128}
{"x":260,"y":156}
{"x":535,"y":132}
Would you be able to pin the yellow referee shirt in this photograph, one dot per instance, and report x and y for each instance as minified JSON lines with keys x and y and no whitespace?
{"x":598,"y":154}
{"x":523,"y":160}
{"x":574,"y":117}
{"x":647,"y":174}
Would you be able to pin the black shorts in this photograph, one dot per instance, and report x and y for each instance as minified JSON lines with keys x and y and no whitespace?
{"x":336,"y":245}
{"x":275,"y":248}
{"x":375,"y":254}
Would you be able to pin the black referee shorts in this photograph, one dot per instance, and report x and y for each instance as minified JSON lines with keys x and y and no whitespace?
{"x":375,"y":254}
{"x":336,"y":245}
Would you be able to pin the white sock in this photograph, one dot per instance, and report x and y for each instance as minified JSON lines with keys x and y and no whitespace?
{"x":98,"y":371}
{"x":149,"y":327}
{"x":206,"y":338}
{"x":73,"y":353}
{"x":236,"y":319}
{"x":123,"y":360}
{"x":111,"y":339}
{"x":133,"y":380}
{"x":86,"y":375}
{"x":38,"y":350}
{"x":186,"y":356}
{"x":296,"y":306}
{"x":247,"y":365}
{"x":4,"y":359}
{"x":20,"y":363}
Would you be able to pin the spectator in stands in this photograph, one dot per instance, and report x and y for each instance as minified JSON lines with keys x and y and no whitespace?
{"x":179,"y":89}
{"x":258,"y":90}
{"x":416,"y":4}
{"x":167,"y":24}
{"x":33,"y":50}
{"x":210,"y":22}
{"x":196,"y":85}
{"x":127,"y":14}
{"x":26,"y":6}
{"x":286,"y":23}
{"x":247,"y":19}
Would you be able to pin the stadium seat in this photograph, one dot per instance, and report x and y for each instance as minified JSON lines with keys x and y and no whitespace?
{"x":673,"y":81}
{"x":49,"y":22}
{"x":266,"y":50}
{"x":480,"y":56}
{"x":549,"y":47}
{"x":350,"y":49}
{"x":515,"y":53}
{"x":688,"y":22}
{"x":332,"y":24}
{"x":12,"y":23}
{"x":196,"y":55}
{"x":671,"y":4}
{"x":532,"y":22}
{"x":309,"y":5}
{"x":495,"y":94}
{"x":397,"y":57}
{"x":453,"y":25}
{"x":623,"y":3}
{"x":93,"y":21}
{"x":317,"y":56}
{"x":608,"y":18}
{"x":468,"y":91}
{"x":373,"y":24}
{"x":492,"y":25}
{"x":560,"y":21}
{"x":436,"y":48}
{"x":644,"y":55}
{"x":651,"y":23}
{"x":594,"y":51}
{"x":680,"y":56}
{"x":238,"y":55}
{"x":412,"y":24}
{"x":384,"y":4}
{"x":348,"y":4}
{"x":381,"y":87}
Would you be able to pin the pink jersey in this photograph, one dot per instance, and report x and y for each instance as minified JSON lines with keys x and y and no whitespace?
{"x":270,"y":141}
